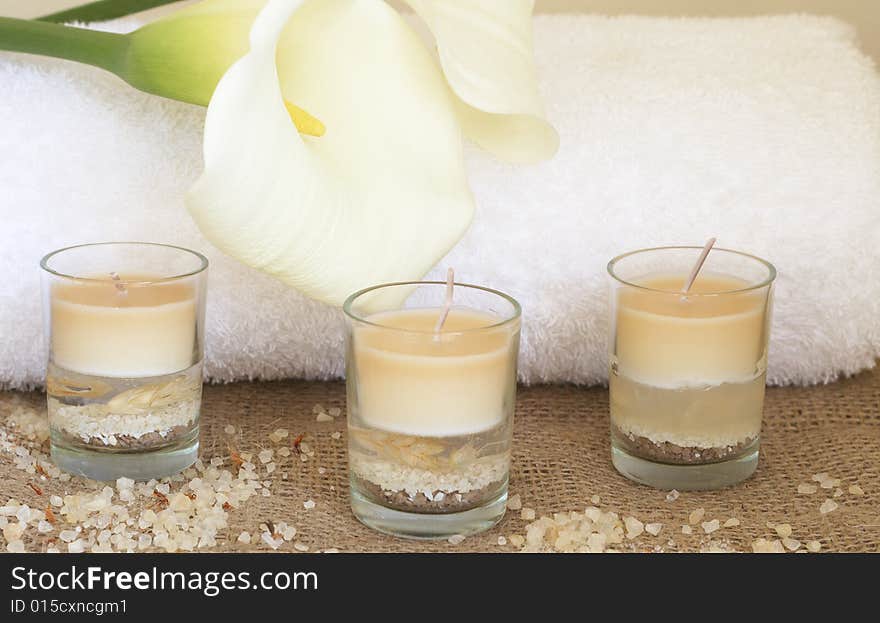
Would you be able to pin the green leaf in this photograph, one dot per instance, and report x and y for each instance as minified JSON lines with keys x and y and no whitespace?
{"x":103,"y":10}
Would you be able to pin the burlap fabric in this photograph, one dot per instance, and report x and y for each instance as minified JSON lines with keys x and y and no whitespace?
{"x":561,"y":459}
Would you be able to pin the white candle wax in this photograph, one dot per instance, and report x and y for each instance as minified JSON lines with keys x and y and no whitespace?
{"x":107,"y":328}
{"x":410,"y":382}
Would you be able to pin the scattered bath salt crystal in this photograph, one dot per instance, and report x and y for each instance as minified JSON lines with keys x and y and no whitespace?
{"x":672,"y":496}
{"x":144,"y":541}
{"x":791,"y":545}
{"x":514,"y":502}
{"x":830,"y":483}
{"x":284,"y":451}
{"x":828,"y":506}
{"x":53,"y":550}
{"x":856,"y":490}
{"x":711,"y":526}
{"x":596,"y":500}
{"x":634,"y":527}
{"x":270,"y":467}
{"x":267,"y":538}
{"x":331,"y":550}
{"x":820,"y":477}
{"x":76,"y":547}
{"x":528,"y":514}
{"x":653,"y":528}
{"x":696,"y":516}
{"x":55,"y":500}
{"x":336,"y":434}
{"x":265,"y":456}
{"x":335,"y":411}
{"x":838,"y":492}
{"x":300,"y":547}
{"x":44,"y":526}
{"x":732,"y":522}
{"x":686,"y":529}
{"x":318,"y":408}
{"x":244,"y":537}
{"x":502,"y":540}
{"x":229,"y":429}
{"x":814,"y":546}
{"x":806,"y":489}
{"x":163,"y":488}
{"x":278,"y":434}
{"x":783,"y":530}
{"x":15,"y":547}
{"x":517,"y":540}
{"x":288,"y":532}
{"x":309,"y":504}
{"x":322,"y":471}
{"x":455,"y":539}
{"x":67,"y":536}
{"x":763,"y":546}
{"x":323,"y":417}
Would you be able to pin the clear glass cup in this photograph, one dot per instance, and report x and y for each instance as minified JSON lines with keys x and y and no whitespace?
{"x":124,"y":323}
{"x":687,"y":372}
{"x":430,"y":415}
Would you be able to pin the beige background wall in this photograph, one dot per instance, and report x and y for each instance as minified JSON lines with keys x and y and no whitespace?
{"x":864,"y":14}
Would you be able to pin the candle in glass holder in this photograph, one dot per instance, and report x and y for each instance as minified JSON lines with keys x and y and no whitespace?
{"x":430,"y":403}
{"x":124,"y":372}
{"x":688,"y":371}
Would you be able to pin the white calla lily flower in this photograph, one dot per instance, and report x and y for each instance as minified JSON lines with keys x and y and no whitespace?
{"x":382,"y":196}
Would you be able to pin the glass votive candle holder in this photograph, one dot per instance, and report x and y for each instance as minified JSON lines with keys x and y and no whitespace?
{"x":430,"y":413}
{"x":124,"y":323}
{"x":687,"y":372}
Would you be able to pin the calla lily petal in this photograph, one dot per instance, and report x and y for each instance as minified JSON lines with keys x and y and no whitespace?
{"x":485,"y":47}
{"x":382,"y":196}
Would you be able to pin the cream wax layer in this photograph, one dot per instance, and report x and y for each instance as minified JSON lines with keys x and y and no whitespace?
{"x":411,"y":382}
{"x":666,"y":340}
{"x":113,"y":329}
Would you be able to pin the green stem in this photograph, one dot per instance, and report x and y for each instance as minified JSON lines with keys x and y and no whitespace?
{"x":103,"y":10}
{"x":101,"y":49}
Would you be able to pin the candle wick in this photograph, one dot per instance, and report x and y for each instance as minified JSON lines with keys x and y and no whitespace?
{"x":450,"y":283}
{"x":120,"y":287}
{"x":696,"y":269}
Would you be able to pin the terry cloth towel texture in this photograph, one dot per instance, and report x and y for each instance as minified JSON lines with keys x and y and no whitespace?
{"x":764,"y":132}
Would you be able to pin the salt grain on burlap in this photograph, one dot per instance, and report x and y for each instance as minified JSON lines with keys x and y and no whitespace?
{"x":711,"y":526}
{"x":783,"y":530}
{"x":731,"y":523}
{"x":696,"y":516}
{"x":828,"y":506}
{"x":323,"y":417}
{"x":672,"y":496}
{"x":634,"y":527}
{"x":514,"y":502}
{"x":856,"y":490}
{"x":764,"y":546}
{"x":309,"y":504}
{"x":517,"y":540}
{"x":806,"y":489}
{"x":502,"y":540}
{"x":229,"y":429}
{"x":653,"y":528}
{"x":527,"y":514}
{"x":791,"y":545}
{"x":455,"y":539}
{"x":686,"y":529}
{"x":814,"y":546}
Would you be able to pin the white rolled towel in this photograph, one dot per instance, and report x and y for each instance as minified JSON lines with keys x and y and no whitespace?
{"x":764,"y":132}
